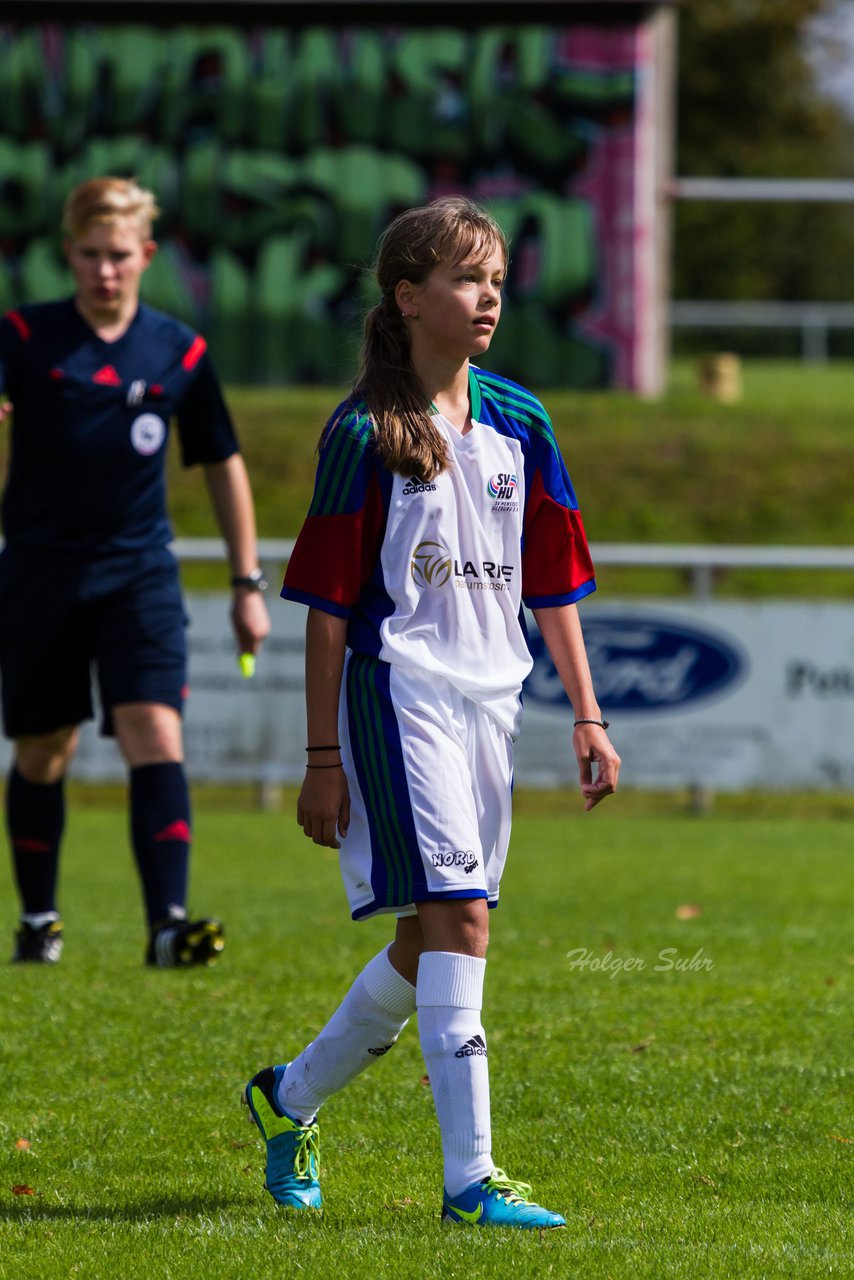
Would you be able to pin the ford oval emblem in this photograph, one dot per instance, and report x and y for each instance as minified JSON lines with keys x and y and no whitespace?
{"x":642,"y":663}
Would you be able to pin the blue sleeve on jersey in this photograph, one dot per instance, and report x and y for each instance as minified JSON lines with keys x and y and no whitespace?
{"x":10,"y":343}
{"x":556,"y":565}
{"x":339,"y":544}
{"x":205,"y":428}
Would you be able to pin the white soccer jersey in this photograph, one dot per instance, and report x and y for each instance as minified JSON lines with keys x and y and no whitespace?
{"x":432,"y":576}
{"x":451,"y":563}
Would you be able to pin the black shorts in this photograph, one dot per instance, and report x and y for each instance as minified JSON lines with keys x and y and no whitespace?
{"x":64,"y":620}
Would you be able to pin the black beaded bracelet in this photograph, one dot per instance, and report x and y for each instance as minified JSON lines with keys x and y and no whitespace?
{"x":603,"y":724}
{"x":336,"y":746}
{"x":339,"y":765}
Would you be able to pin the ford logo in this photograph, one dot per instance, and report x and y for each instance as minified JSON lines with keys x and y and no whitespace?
{"x":642,"y":663}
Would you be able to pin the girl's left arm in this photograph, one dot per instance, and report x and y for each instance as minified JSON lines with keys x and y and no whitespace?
{"x":560,"y":628}
{"x":323,"y":807}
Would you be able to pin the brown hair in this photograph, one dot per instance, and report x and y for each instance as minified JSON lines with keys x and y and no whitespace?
{"x":106,"y":200}
{"x":446,"y":231}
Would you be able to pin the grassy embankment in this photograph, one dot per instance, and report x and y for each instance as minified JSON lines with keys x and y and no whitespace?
{"x":777,"y":468}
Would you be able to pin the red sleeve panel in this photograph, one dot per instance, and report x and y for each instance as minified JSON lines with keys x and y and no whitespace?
{"x":335,"y":555}
{"x":556,"y":564}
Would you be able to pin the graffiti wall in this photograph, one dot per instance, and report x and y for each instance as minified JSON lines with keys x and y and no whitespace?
{"x":278,"y":154}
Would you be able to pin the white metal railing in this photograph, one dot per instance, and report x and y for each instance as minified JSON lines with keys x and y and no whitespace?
{"x":813,"y":319}
{"x":764,"y":190}
{"x":698,"y":561}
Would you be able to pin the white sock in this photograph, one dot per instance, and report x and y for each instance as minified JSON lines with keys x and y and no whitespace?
{"x":362,"y":1029}
{"x":38,"y":919}
{"x":449,"y":996}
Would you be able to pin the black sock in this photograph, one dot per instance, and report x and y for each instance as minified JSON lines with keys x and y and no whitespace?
{"x":35,"y":818}
{"x":160,"y":833}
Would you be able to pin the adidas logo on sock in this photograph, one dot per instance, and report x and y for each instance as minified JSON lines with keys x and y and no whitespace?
{"x":476,"y":1047}
{"x":383,"y":1048}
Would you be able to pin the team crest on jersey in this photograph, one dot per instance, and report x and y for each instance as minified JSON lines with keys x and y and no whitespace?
{"x":503,"y":489}
{"x":431,"y":564}
{"x":147,"y":433}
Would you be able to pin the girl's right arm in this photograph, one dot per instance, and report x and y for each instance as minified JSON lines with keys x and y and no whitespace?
{"x":323,"y":808}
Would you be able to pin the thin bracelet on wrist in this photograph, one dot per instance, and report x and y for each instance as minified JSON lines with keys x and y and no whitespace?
{"x":335,"y":746}
{"x":603,"y":724}
{"x":339,"y":765}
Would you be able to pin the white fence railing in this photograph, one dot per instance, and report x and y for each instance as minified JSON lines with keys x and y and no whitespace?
{"x":699,"y":561}
{"x":703,"y":693}
{"x":813,"y":320}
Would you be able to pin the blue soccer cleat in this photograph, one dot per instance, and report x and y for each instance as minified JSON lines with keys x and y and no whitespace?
{"x":498,"y":1202}
{"x":293,"y":1149}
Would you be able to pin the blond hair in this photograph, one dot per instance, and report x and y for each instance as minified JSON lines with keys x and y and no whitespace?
{"x":107,"y":200}
{"x":447,"y":231}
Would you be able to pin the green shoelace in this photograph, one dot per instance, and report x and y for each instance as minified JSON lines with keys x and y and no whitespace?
{"x":500,"y":1185}
{"x":307,"y":1147}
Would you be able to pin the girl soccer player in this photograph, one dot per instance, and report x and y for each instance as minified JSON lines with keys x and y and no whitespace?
{"x":441,"y":503}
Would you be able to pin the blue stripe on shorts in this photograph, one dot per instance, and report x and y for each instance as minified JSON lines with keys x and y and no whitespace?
{"x":397,"y":873}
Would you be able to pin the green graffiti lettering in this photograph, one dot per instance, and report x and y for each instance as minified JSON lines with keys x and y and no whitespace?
{"x":204,"y":84}
{"x":278,"y":154}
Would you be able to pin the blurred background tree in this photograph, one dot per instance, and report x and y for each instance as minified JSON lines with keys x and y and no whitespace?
{"x":750,"y":104}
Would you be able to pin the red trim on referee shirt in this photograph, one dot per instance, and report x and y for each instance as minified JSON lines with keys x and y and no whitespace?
{"x":107,"y":377}
{"x":197,"y":349}
{"x":20,"y":324}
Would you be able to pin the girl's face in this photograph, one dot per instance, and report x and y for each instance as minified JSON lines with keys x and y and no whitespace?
{"x":453,"y":313}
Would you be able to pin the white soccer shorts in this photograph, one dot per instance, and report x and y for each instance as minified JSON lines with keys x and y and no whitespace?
{"x":430,"y":775}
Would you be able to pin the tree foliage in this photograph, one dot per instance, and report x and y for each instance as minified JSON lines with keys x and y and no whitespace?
{"x":748,"y":105}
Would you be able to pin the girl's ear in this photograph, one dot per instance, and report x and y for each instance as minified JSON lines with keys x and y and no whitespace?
{"x":404,"y":296}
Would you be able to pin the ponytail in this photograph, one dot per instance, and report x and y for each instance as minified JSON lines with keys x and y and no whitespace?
{"x":405,"y":436}
{"x":449,"y":230}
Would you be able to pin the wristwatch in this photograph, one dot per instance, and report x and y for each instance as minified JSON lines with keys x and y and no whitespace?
{"x":255,"y":581}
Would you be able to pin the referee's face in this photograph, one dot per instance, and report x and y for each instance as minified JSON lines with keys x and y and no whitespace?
{"x":107,"y":260}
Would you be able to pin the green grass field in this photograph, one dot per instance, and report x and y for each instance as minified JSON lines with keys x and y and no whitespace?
{"x":688,"y":1106}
